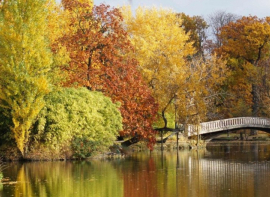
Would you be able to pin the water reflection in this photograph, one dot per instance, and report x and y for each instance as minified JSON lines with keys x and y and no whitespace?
{"x":240,"y":151}
{"x":63,"y":179}
{"x":227,"y":170}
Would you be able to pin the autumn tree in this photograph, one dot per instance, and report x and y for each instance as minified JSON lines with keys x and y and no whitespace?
{"x":181,"y":83}
{"x":25,"y":63}
{"x":202,"y":94}
{"x":216,"y":21}
{"x":97,"y":43}
{"x":246,"y":44}
{"x":161,"y":47}
{"x":196,"y":27}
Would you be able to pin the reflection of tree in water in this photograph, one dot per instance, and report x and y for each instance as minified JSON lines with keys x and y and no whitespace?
{"x":239,"y":151}
{"x":95,"y":178}
{"x":140,"y":177}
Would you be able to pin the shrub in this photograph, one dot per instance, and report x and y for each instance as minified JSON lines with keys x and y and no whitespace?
{"x":78,"y":116}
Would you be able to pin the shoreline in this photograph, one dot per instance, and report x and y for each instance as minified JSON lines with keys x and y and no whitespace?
{"x":124,"y":152}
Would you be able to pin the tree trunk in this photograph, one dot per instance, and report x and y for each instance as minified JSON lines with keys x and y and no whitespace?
{"x":255,"y":106}
{"x":131,"y":141}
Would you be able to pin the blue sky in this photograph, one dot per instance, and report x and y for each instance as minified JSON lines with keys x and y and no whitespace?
{"x":260,"y":8}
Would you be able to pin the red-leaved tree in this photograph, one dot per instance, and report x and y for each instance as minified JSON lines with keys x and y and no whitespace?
{"x":98,"y":43}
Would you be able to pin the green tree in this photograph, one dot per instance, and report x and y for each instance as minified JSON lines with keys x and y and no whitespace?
{"x":80,"y":118}
{"x":25,"y":61}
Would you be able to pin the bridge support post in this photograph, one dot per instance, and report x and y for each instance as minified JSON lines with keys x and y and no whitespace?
{"x":177,"y":139}
{"x":161,"y":140}
{"x":198,"y":135}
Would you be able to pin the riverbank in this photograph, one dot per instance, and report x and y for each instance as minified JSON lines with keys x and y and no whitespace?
{"x":117,"y":151}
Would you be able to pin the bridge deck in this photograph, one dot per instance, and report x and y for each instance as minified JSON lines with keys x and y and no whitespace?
{"x":228,"y":124}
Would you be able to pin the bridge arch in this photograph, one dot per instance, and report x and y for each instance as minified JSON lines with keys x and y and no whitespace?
{"x":229,"y":124}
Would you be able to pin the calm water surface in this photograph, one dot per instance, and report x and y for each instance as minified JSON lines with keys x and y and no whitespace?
{"x":237,"y":169}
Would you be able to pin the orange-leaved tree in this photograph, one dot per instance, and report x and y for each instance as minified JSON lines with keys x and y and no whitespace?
{"x":97,"y":44}
{"x":245,"y":43}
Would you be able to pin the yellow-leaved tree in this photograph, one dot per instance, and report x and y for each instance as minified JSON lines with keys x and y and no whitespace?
{"x":25,"y":63}
{"x":184,"y":84}
{"x":202,"y":93}
{"x":161,"y":48}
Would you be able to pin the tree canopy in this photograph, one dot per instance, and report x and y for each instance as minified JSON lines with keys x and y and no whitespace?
{"x":245,"y":43}
{"x":97,"y":43}
{"x":161,"y":48}
{"x":25,"y":63}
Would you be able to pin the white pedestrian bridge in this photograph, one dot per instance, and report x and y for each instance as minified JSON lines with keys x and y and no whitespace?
{"x":229,"y":124}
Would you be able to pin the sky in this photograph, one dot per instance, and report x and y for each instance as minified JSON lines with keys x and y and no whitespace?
{"x":260,"y":8}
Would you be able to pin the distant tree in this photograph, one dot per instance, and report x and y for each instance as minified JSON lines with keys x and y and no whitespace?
{"x":216,"y":21}
{"x":201,"y":95}
{"x":185,"y":86}
{"x":196,"y":27}
{"x":245,"y":43}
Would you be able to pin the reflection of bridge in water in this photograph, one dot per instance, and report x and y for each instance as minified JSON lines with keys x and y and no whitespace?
{"x":206,"y":128}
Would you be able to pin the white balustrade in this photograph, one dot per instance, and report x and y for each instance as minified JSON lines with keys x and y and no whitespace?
{"x":226,"y":124}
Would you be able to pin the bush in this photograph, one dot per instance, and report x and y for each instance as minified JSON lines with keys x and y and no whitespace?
{"x":78,"y":116}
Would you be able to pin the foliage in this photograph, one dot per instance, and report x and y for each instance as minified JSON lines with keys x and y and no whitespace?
{"x":25,"y":61}
{"x":246,"y":41}
{"x":161,"y":47}
{"x":202,"y":90}
{"x":83,"y":147}
{"x":159,"y":123}
{"x":181,"y":82}
{"x":247,"y":38}
{"x":97,"y":43}
{"x":2,"y":167}
{"x":196,"y":27}
{"x":74,"y":116}
{"x":238,"y":101}
{"x":56,"y":28}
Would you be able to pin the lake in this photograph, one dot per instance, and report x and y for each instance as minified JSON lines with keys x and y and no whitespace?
{"x":224,"y":169}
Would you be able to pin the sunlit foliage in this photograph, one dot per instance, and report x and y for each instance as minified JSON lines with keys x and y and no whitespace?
{"x":78,"y":116}
{"x":97,"y":43}
{"x":246,"y":42}
{"x":25,"y":61}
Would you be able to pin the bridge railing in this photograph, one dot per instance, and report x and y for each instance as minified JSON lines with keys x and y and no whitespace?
{"x":218,"y":125}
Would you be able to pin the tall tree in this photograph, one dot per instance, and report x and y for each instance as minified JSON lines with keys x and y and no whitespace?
{"x":25,"y":61}
{"x":196,"y":27}
{"x":97,"y":43}
{"x":216,"y":21}
{"x":161,"y":47}
{"x":202,"y":94}
{"x":247,"y":40}
{"x":181,"y":83}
